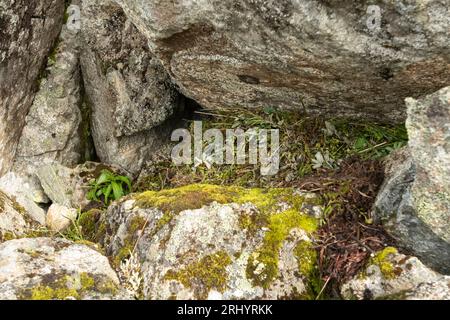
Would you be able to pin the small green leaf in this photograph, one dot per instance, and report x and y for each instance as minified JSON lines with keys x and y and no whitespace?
{"x":105,"y":177}
{"x":107,"y":193}
{"x":117,"y":190}
{"x":125,"y":180}
{"x":360,"y":143}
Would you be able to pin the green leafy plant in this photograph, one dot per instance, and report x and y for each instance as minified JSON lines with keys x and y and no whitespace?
{"x":109,"y":186}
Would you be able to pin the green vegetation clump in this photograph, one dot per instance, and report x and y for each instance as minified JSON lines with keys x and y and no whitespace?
{"x":308,"y":146}
{"x":109,"y":186}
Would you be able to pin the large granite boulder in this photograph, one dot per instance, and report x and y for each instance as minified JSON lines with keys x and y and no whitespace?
{"x":203,"y":241}
{"x":339,"y":58}
{"x":28,"y":30}
{"x":129,"y":92}
{"x":55,"y":269}
{"x":414,"y":202}
{"x":391,"y":275}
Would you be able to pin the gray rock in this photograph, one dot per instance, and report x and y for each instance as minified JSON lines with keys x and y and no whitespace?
{"x":55,"y":269}
{"x":129,"y":91}
{"x":28,"y":32}
{"x":209,"y":242}
{"x":53,"y":130}
{"x":391,"y":275}
{"x":317,"y":56}
{"x":25,"y":193}
{"x":56,"y":180}
{"x":414,"y":202}
{"x":13,"y":220}
{"x":428,"y":127}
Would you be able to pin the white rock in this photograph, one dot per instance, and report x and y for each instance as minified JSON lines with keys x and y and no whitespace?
{"x":60,"y":217}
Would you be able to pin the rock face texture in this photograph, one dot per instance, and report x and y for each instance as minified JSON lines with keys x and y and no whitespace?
{"x":203,"y":241}
{"x":54,"y":129}
{"x":128,"y":89}
{"x":414,"y":202}
{"x":25,"y":194}
{"x":339,"y":58}
{"x":391,"y":275}
{"x":28,"y":30}
{"x":48,"y":269}
{"x":13,"y":220}
{"x":428,"y":127}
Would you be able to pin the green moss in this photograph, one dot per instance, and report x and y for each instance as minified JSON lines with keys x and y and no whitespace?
{"x":87,"y":282}
{"x":306,"y":256}
{"x":173,"y":201}
{"x":387,"y":268}
{"x":207,"y":274}
{"x":262,"y":267}
{"x":60,"y":290}
{"x":92,"y":226}
{"x":42,"y":293}
{"x":137,"y":223}
{"x":87,"y":221}
{"x":7,"y":236}
{"x":307,"y":259}
{"x":184,"y":198}
{"x":107,"y":287}
{"x":63,"y":287}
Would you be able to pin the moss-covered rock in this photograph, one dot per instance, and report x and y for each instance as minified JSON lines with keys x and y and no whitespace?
{"x":392,"y":275}
{"x":202,"y":241}
{"x":55,"y":269}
